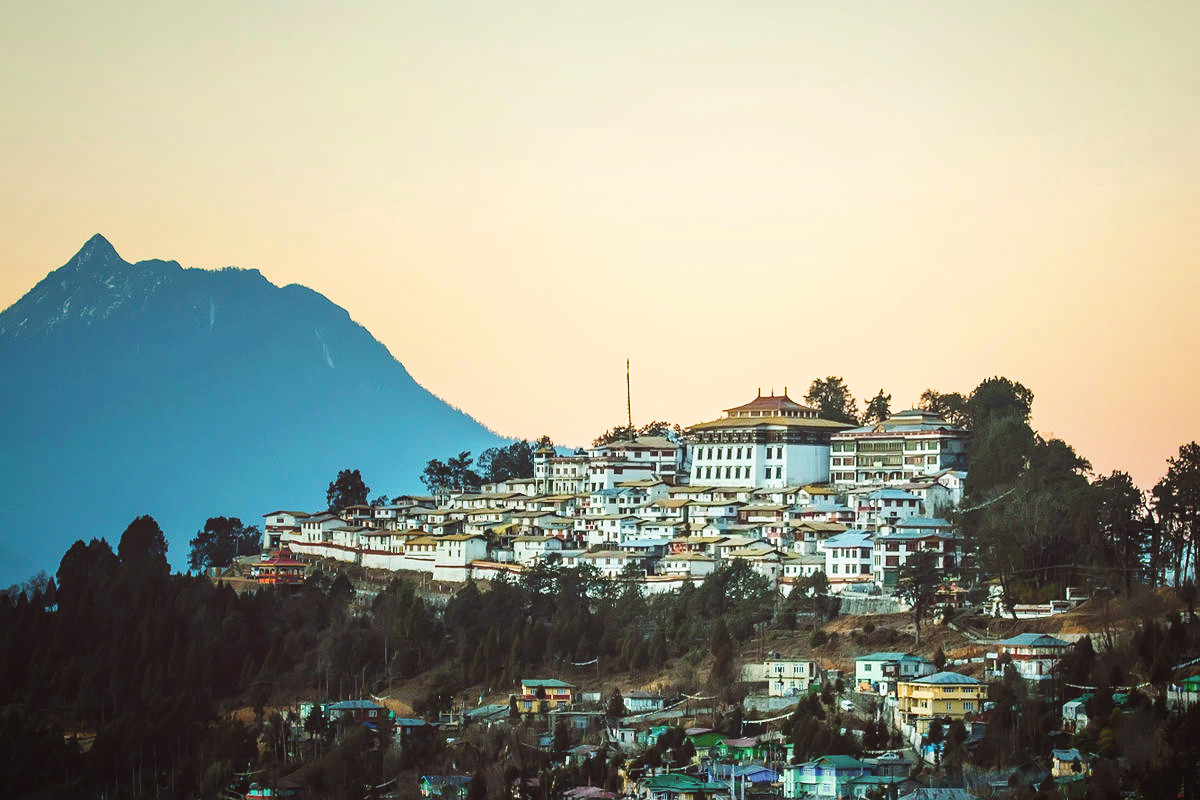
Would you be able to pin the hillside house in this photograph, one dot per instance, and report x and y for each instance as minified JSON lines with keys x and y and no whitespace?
{"x":942,"y":695}
{"x":880,"y":672}
{"x":544,"y":694}
{"x":824,"y":778}
{"x":277,"y":525}
{"x":907,"y":445}
{"x":848,"y":557}
{"x":1033,"y":655}
{"x":787,"y":677}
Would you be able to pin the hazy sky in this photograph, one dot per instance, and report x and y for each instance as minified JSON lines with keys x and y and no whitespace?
{"x":514,"y":197}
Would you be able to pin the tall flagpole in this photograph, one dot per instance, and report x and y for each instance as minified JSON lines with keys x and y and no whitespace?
{"x":628,"y":405}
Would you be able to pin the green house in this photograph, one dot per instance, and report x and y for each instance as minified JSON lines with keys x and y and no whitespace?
{"x":705,"y":740}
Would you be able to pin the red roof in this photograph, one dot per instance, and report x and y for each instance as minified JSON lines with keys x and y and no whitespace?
{"x":771,"y":403}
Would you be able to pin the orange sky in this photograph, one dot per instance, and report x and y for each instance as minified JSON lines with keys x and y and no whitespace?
{"x":515,"y":197}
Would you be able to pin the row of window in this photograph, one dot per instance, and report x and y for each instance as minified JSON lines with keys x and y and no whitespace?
{"x":884,"y":446}
{"x":734,"y":473}
{"x":734,"y":453}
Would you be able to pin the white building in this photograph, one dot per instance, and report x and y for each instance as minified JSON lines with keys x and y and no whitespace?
{"x":884,"y":507}
{"x":277,"y":524}
{"x":1033,"y":655}
{"x":880,"y":672}
{"x":848,"y":558}
{"x":768,"y":442}
{"x":905,"y":446}
{"x":555,"y":474}
{"x":638,"y":459}
{"x":787,"y":677}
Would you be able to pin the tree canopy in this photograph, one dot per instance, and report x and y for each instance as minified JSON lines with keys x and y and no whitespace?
{"x":621,"y":433}
{"x":879,"y":408}
{"x":831,"y":396}
{"x":514,"y":461}
{"x":221,"y":540}
{"x":1177,"y":505}
{"x":951,"y":407}
{"x":453,"y":475}
{"x":917,"y":585}
{"x":143,"y":544}
{"x":346,"y":490}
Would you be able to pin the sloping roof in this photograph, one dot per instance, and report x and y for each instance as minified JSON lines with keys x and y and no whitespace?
{"x":547,"y":683}
{"x":889,"y":655}
{"x":938,"y":794}
{"x":944,"y":678}
{"x":673,"y":781}
{"x":1033,"y":640}
{"x":923,"y":522}
{"x":772,"y":402}
{"x":852,"y":538}
{"x":890,"y":494}
{"x":755,"y":422}
{"x":354,"y":705}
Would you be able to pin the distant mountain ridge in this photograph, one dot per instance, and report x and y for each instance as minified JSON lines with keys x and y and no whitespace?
{"x":189,"y":393}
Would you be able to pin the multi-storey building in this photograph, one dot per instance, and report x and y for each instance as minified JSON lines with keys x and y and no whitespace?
{"x":895,"y":545}
{"x":278,"y":525}
{"x":880,"y":672}
{"x":544,"y":694}
{"x":555,"y":474}
{"x":903,"y":447}
{"x":942,"y":695}
{"x":848,"y":557}
{"x":769,"y":442}
{"x":789,"y":676}
{"x":1033,"y":655}
{"x":636,"y":459}
{"x":884,"y":507}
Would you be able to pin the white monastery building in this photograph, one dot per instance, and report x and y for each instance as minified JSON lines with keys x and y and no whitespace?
{"x":769,"y":442}
{"x":903,"y":447}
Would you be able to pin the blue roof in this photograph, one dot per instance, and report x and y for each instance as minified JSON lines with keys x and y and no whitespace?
{"x":646,"y":542}
{"x":943,"y":678}
{"x":923,"y":522}
{"x":920,"y":533}
{"x":1033,"y":640}
{"x":825,"y":507}
{"x":410,"y":722}
{"x":446,"y":780}
{"x":885,"y":655}
{"x":849,"y":539}
{"x":891,"y":494}
{"x":353,"y":705}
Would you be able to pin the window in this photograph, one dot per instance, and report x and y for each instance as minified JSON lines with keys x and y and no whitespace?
{"x":968,"y":705}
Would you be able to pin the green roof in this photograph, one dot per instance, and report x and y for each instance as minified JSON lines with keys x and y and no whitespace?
{"x":548,"y":683}
{"x":674,"y":782}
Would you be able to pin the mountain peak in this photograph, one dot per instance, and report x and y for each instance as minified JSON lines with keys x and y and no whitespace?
{"x":96,"y":251}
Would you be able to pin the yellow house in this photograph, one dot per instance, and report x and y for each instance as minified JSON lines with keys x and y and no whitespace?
{"x":544,"y":695}
{"x":942,"y":695}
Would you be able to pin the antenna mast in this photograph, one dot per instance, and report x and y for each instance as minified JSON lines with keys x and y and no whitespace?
{"x":628,"y":404}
